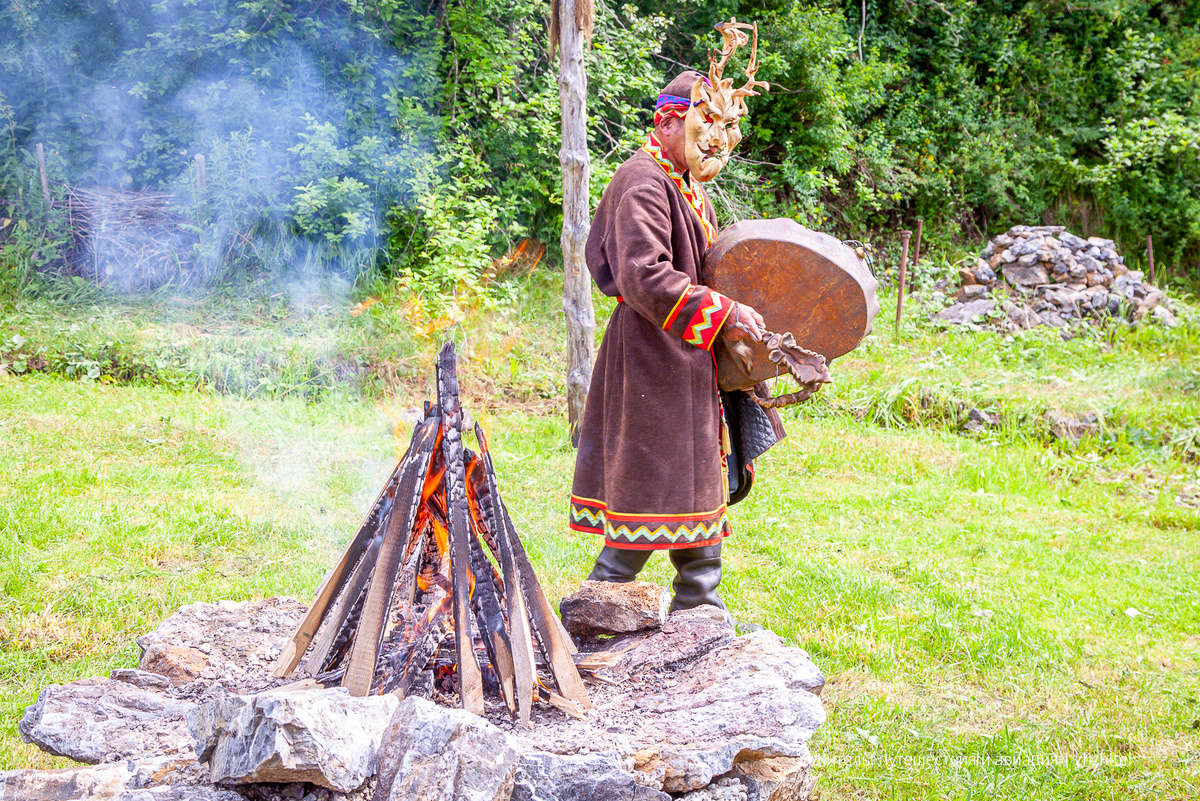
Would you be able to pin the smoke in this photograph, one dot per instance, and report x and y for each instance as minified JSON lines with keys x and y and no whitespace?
{"x":293,"y":105}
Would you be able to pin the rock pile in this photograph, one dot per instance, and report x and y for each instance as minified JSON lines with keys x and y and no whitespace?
{"x":685,"y":709}
{"x":1053,"y":277}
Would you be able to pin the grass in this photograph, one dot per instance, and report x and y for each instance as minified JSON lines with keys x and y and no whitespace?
{"x":1001,"y":614}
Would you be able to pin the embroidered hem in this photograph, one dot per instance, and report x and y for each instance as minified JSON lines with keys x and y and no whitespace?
{"x":648,"y":531}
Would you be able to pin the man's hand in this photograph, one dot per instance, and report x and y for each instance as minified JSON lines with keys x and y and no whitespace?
{"x":744,"y":323}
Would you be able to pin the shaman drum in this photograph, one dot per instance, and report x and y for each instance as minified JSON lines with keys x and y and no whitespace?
{"x":801,"y":281}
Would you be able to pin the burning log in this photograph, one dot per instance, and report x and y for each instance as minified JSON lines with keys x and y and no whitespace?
{"x":418,"y":572}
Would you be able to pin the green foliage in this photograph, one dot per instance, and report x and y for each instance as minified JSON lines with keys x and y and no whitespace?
{"x":396,"y":138}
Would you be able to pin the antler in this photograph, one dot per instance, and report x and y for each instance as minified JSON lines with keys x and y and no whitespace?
{"x":751,"y":72}
{"x":734,"y":36}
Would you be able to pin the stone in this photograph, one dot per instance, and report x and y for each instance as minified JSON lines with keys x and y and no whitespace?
{"x":995,"y":260}
{"x":1161,"y":314}
{"x":984,"y":274}
{"x":777,"y":779}
{"x":966,"y":276}
{"x":1052,"y":318}
{"x":971,"y":292}
{"x":685,"y":635}
{"x":101,"y":720}
{"x":1022,"y":316}
{"x":724,"y":789}
{"x":1073,"y":242}
{"x":1071,"y":427}
{"x":431,"y":753}
{"x":1026,"y":275}
{"x":965,"y":313}
{"x":751,"y":699}
{"x":178,"y":663}
{"x":161,"y":779}
{"x":586,"y":777}
{"x":325,"y":737}
{"x":1025,"y":247}
{"x":239,"y":641}
{"x":1007,"y":256}
{"x":605,"y":607}
{"x":1028,"y":260}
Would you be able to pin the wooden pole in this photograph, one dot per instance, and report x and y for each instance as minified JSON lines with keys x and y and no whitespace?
{"x":41,"y":156}
{"x":917,"y":248}
{"x":904,"y":235}
{"x":576,"y":175}
{"x":201,"y":179}
{"x":1150,"y":257}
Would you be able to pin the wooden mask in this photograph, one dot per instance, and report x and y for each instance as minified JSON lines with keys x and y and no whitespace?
{"x":712,"y":122}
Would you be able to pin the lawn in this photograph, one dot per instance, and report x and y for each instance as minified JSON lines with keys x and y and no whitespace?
{"x":1001,"y":614}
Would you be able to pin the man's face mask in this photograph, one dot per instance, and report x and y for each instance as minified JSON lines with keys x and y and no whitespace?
{"x":711,"y":125}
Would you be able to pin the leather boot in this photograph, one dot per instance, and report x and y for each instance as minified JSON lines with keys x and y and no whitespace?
{"x":698,"y":572}
{"x":618,"y":564}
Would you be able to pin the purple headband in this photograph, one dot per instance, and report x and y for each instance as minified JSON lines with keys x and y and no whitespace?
{"x":672,"y":100}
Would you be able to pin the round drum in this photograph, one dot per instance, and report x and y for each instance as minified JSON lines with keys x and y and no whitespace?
{"x":801,"y":281}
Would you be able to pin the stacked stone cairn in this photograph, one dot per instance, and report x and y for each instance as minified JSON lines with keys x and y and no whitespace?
{"x":1053,"y":277}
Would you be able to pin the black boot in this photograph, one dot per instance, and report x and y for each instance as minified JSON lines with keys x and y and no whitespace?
{"x":618,"y":564}
{"x":698,"y":572}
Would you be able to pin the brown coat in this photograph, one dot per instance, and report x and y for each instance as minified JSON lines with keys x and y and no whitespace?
{"x":650,"y":472}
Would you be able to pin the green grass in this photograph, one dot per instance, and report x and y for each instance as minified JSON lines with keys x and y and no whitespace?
{"x":965,"y":593}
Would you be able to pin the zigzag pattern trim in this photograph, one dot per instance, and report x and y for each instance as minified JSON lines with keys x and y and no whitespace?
{"x":693,"y":198}
{"x":591,"y":518}
{"x":702,"y":321}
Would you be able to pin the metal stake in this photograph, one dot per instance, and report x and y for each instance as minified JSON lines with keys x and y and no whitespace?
{"x":904,"y":235}
{"x":1150,"y":256}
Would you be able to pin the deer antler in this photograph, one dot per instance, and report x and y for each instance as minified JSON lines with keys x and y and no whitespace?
{"x":751,"y":72}
{"x":733,"y":33}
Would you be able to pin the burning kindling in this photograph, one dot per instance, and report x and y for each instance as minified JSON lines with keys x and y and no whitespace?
{"x":415,"y":590}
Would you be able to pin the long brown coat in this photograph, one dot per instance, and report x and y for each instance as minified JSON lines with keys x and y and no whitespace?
{"x":650,"y":472}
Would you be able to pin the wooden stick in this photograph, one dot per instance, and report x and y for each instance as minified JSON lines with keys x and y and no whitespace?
{"x":332,"y":585}
{"x":470,"y":679}
{"x":903,"y":271}
{"x":360,"y":669}
{"x":337,"y":617}
{"x":575,"y":164}
{"x":1150,"y":256}
{"x":41,"y":157}
{"x":520,"y":635}
{"x":201,"y":179}
{"x":917,"y":248}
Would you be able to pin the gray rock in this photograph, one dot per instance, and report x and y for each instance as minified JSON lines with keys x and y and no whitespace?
{"x":325,"y":737}
{"x":972,"y":292}
{"x":1050,"y":317}
{"x":984,"y":274}
{"x":100,"y":720}
{"x":141,"y":678}
{"x":687,"y":634}
{"x":1026,"y":275}
{"x":161,"y":779}
{"x":589,"y":777}
{"x":1007,"y":256}
{"x":432,"y":753}
{"x":605,"y":607}
{"x":1026,"y":247}
{"x":1073,"y":242}
{"x":1022,"y":316}
{"x":777,"y":779}
{"x":964,"y":313}
{"x":1067,"y":426}
{"x":1163,"y":315}
{"x":979,"y":420}
{"x":725,"y":789}
{"x":1028,"y":260}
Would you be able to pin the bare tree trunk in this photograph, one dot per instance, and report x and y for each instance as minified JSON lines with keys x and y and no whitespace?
{"x":576,"y":172}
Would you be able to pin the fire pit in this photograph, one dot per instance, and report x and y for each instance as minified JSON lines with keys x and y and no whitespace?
{"x":434,"y":605}
{"x":417,"y":576}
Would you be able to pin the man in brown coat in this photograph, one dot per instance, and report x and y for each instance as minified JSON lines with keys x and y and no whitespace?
{"x":651,"y":471}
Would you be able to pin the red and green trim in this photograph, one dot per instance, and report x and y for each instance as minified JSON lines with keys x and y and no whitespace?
{"x":694,"y":199}
{"x":648,"y":531}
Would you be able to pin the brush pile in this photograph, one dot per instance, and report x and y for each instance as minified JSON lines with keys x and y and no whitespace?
{"x":127,"y":240}
{"x":1053,"y":277}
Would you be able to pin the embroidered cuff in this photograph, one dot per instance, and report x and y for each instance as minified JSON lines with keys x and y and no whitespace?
{"x":706,"y":321}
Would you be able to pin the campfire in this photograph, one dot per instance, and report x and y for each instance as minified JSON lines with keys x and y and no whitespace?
{"x":435,"y":589}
